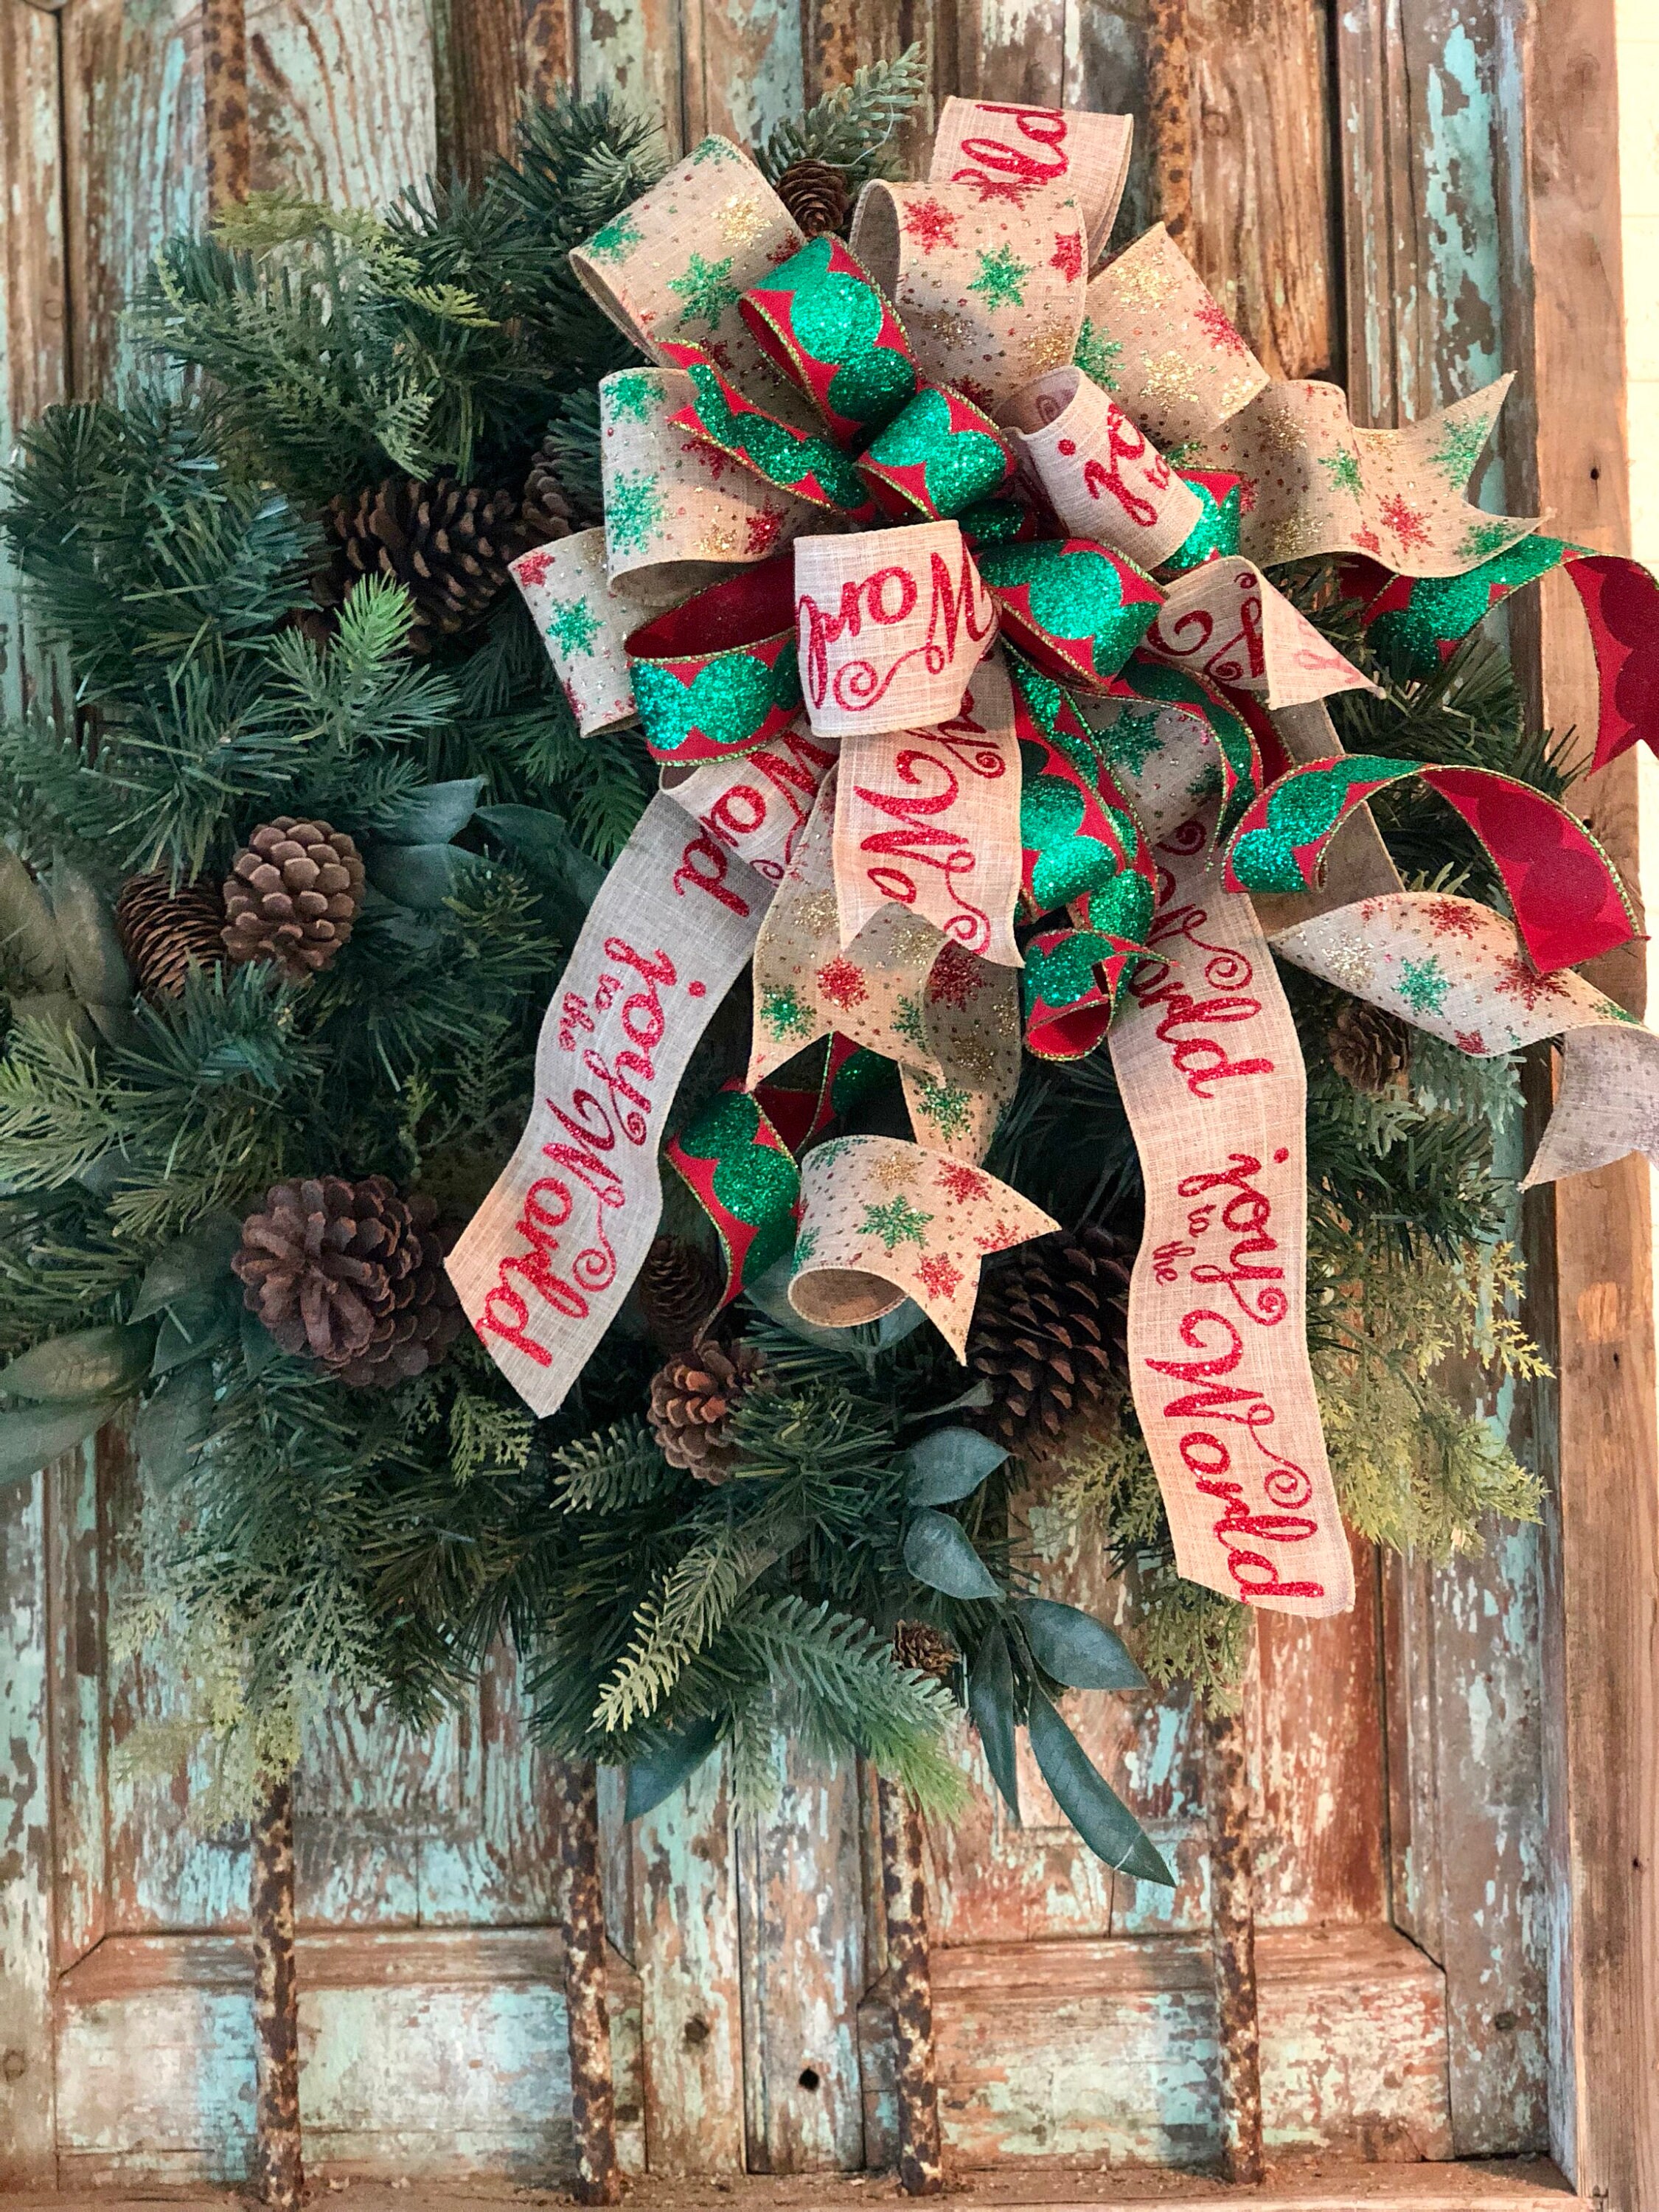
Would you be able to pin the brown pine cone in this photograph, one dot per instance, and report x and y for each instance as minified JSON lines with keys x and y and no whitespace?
{"x":162,"y":930}
{"x":351,"y":1274}
{"x":692,"y":1401}
{"x":1370,"y":1047}
{"x":679,"y":1289}
{"x":292,"y":895}
{"x":546,"y":511}
{"x":1048,"y":1330}
{"x":449,"y":543}
{"x":924,"y":1650}
{"x":816,"y":195}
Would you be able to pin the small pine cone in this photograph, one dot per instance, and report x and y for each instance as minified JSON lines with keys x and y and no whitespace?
{"x":546,"y":511}
{"x":163,"y":931}
{"x":924,"y":1650}
{"x":449,"y":543}
{"x":816,"y":195}
{"x":679,"y":1289}
{"x":292,"y":895}
{"x":692,"y":1401}
{"x":351,"y":1274}
{"x":1048,"y":1330}
{"x":1369,"y":1046}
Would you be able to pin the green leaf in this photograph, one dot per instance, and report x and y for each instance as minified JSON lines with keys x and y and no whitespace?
{"x":432,"y":815}
{"x":32,"y":1435}
{"x":181,"y":1270}
{"x":60,"y":1008}
{"x":31,"y":950}
{"x":173,"y":1421}
{"x":659,"y":1773}
{"x":1089,"y":1802}
{"x":1075,"y":1648}
{"x":991,"y":1702}
{"x":98,"y":969}
{"x":93,"y":1363}
{"x":949,"y":1464}
{"x":259,"y":1347}
{"x":936,"y":1552}
{"x":570,"y":877}
{"x":190,"y":1328}
{"x":422,"y":876}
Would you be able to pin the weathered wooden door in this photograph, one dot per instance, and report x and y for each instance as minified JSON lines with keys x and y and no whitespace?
{"x":1346,"y":177}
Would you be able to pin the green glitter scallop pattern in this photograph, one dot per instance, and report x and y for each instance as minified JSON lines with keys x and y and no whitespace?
{"x":727,"y":702}
{"x":1301,"y":812}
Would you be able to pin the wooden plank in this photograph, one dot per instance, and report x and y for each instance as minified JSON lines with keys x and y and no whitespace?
{"x":79,"y":1731}
{"x":1012,"y":50}
{"x":744,"y":68}
{"x":803,"y":1971}
{"x":1262,"y":232}
{"x":491,"y":57}
{"x":27,"y":2120}
{"x":686,"y":1948}
{"x":636,"y":46}
{"x":343,"y":97}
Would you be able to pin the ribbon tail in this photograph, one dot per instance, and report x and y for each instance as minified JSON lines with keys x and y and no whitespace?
{"x":1607,"y":1104}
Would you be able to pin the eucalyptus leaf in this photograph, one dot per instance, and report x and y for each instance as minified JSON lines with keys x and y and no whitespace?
{"x":31,"y":949}
{"x":30,"y":1435}
{"x":893,"y":1327}
{"x":259,"y":1347}
{"x":181,"y":1270}
{"x":432,"y":815}
{"x":116,"y":1024}
{"x":61,"y":1008}
{"x":422,"y":876}
{"x":951,"y":1463}
{"x":187,"y":1332}
{"x":568,"y":877}
{"x":173,"y":1420}
{"x":90,"y":1363}
{"x":991,"y":1702}
{"x":1075,"y":1648}
{"x":938,"y":1553}
{"x":1087,"y":1801}
{"x":98,"y":969}
{"x":660,"y":1772}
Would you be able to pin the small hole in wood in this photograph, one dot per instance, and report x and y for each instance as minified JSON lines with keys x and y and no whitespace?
{"x":1506,"y":2023}
{"x":696,"y":2033}
{"x":809,"y":2077}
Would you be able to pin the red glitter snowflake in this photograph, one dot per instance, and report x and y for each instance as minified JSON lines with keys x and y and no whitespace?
{"x":1519,"y":979}
{"x":999,"y":1238}
{"x":841,"y":982}
{"x":712,"y":458}
{"x":957,"y":977}
{"x":1012,"y":189}
{"x":1453,"y":918}
{"x":1408,"y":522}
{"x":1068,"y":255}
{"x":964,"y":1184}
{"x":979,"y":393}
{"x":533,"y":568}
{"x":1246,"y":495}
{"x":941,"y":1279}
{"x":929,"y":225}
{"x":1470,"y":1041}
{"x":1369,"y":540}
{"x":1216,"y":324}
{"x":762,"y":533}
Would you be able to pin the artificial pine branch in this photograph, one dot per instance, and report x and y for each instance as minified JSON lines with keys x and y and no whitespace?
{"x":853,"y":129}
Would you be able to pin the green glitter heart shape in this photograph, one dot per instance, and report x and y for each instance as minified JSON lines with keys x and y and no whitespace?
{"x":728,"y":700}
{"x":756,"y":1185}
{"x":836,"y":319}
{"x":1301,"y":813}
{"x":958,"y":465}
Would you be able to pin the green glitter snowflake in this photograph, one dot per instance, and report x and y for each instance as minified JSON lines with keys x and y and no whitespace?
{"x":897,"y":1222}
{"x":572,"y":626}
{"x":1424,"y":985}
{"x":1482,"y":540}
{"x":910,"y":1022}
{"x":628,"y":397}
{"x":1000,"y":277}
{"x":1460,"y":446}
{"x":1343,"y":470}
{"x":615,"y":241}
{"x":784,"y":1014}
{"x":707,"y":149}
{"x":1096,"y":355}
{"x":806,"y":1244}
{"x":633,"y":512}
{"x":947,"y":1106}
{"x":707,"y":289}
{"x":1133,"y":739}
{"x":1207,"y":784}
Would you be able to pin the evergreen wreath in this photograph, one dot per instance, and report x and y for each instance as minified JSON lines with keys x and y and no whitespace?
{"x":231,"y":1155}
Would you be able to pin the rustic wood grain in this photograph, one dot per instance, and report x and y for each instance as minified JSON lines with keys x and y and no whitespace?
{"x":636,"y":46}
{"x":1169,"y":114}
{"x":278,"y":2165}
{"x":224,"y":94}
{"x":586,"y":1969}
{"x":1262,"y":229}
{"x":1232,"y":1909}
{"x":80,"y":1736}
{"x":744,"y":68}
{"x":342,"y":97}
{"x":910,"y":1992}
{"x":491,"y":57}
{"x":28,"y":2110}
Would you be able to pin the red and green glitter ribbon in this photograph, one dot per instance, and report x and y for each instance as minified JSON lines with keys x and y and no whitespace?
{"x":807,"y":467}
{"x":824,"y":320}
{"x":1075,"y":609}
{"x":939,"y":457}
{"x":718,"y":676}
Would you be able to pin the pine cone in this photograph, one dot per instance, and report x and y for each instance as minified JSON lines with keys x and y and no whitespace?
{"x":162,"y":930}
{"x":692,"y":1401}
{"x":449,"y":543}
{"x":1047,"y":1329}
{"x":924,"y":1650}
{"x":292,"y":895}
{"x":351,"y":1274}
{"x":679,"y":1289}
{"x":816,"y":195}
{"x":1369,"y":1046}
{"x":546,"y":511}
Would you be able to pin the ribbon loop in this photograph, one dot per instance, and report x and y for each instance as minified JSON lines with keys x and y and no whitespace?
{"x":891,"y":625}
{"x":1011,"y":155}
{"x":718,"y":675}
{"x":1074,"y":607}
{"x":822,"y":319}
{"x":1104,"y":477}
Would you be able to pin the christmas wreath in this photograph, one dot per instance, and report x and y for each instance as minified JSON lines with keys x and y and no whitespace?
{"x":968,"y":946}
